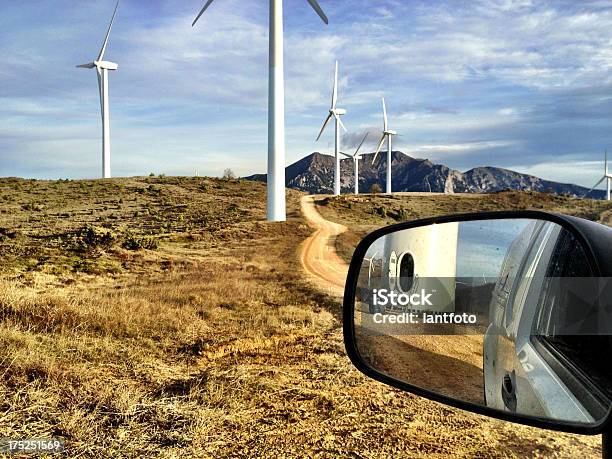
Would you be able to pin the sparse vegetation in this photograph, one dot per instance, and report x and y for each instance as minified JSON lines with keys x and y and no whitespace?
{"x":375,"y":189}
{"x":90,"y":237}
{"x":381,"y":211}
{"x":213,"y":345}
{"x":364,"y":213}
{"x":100,"y":220}
{"x":134,"y":242}
{"x":7,"y":234}
{"x":401,"y":215}
{"x":228,"y":174}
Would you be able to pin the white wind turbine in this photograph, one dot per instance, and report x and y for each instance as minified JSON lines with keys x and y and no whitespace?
{"x":336,"y":113}
{"x":102,"y":67}
{"x":607,"y":177}
{"x":276,"y":109}
{"x":387,"y":134}
{"x":356,"y":157}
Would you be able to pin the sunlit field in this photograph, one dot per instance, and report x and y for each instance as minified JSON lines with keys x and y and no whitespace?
{"x":162,"y":317}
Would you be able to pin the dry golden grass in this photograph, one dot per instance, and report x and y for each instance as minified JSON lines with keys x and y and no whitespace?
{"x":364,"y":213}
{"x":210,"y":347}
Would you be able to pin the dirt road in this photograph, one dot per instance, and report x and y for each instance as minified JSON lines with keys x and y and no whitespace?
{"x":318,"y":255}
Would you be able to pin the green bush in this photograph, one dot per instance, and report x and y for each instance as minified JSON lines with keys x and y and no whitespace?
{"x":402,"y":215}
{"x":381,"y":211}
{"x":135,"y":242}
{"x":93,"y":237}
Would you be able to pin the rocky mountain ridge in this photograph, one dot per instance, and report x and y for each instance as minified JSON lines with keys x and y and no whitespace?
{"x":314,"y":174}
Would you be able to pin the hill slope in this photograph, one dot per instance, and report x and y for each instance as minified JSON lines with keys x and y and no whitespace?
{"x":210,"y":345}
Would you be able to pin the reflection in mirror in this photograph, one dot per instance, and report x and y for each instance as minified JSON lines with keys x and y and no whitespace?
{"x":501,"y":313}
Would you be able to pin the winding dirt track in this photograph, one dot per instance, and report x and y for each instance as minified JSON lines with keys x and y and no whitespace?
{"x":318,"y":255}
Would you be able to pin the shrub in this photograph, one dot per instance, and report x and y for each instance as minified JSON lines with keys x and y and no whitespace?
{"x":375,"y":189}
{"x":402,"y":214}
{"x":135,"y":242}
{"x":381,"y":211}
{"x":228,"y":174}
{"x":6,"y":234}
{"x":90,"y":237}
{"x":33,"y":207}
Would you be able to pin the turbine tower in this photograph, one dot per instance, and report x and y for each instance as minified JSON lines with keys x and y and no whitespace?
{"x":387,"y":134}
{"x":356,"y":157}
{"x":607,"y":177}
{"x":102,"y":67}
{"x":336,"y":113}
{"x":276,"y":109}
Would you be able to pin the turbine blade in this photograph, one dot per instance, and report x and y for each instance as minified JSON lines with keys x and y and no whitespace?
{"x":346,"y":154}
{"x":385,"y":114}
{"x":361,"y":144}
{"x":201,"y":12}
{"x":110,"y":26}
{"x":606,"y":162}
{"x":340,"y":122}
{"x":317,"y":8}
{"x":91,"y":65}
{"x":382,"y":140}
{"x":594,"y":186}
{"x":324,"y":125}
{"x":335,"y":90}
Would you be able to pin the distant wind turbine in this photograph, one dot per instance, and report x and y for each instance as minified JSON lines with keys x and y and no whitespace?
{"x":335,"y":113}
{"x":387,"y":134}
{"x":607,"y":177}
{"x":276,"y":109}
{"x":102,"y":67}
{"x":356,"y":157}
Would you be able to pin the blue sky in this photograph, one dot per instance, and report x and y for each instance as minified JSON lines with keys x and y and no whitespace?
{"x":520,"y":84}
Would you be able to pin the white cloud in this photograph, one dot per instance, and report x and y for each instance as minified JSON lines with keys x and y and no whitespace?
{"x":584,"y":173}
{"x":469,"y":147}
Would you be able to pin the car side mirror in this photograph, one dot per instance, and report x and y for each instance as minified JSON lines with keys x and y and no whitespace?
{"x":505,"y":314}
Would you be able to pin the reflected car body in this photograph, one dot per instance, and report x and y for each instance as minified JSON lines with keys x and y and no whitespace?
{"x":523,"y":372}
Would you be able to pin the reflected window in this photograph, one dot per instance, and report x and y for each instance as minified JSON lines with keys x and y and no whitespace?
{"x":406,"y":272}
{"x":566,"y":325}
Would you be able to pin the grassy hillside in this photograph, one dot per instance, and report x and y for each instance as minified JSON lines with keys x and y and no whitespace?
{"x":365,"y":213}
{"x":154,"y":317}
{"x":71,"y":228}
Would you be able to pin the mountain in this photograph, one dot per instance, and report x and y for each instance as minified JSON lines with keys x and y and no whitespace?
{"x":315,"y":173}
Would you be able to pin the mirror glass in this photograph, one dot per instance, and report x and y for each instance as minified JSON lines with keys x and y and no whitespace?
{"x":502,"y":313}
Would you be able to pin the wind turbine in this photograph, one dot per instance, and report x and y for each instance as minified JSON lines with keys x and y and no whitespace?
{"x":102,"y":67}
{"x":607,"y":176}
{"x":336,"y":113}
{"x":276,"y":109}
{"x":387,"y":134}
{"x":356,"y":157}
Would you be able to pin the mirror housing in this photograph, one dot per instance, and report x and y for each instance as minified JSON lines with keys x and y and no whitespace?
{"x":596,"y":241}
